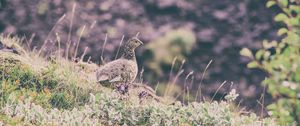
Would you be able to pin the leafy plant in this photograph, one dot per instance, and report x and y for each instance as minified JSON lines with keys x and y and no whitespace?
{"x":108,"y":109}
{"x":281,"y":60}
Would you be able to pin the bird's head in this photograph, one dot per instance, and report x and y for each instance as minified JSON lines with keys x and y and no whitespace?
{"x":133,"y":43}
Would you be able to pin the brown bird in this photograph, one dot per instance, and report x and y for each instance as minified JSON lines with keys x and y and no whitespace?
{"x":122,"y":70}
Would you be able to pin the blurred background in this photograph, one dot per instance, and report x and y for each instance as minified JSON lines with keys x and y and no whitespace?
{"x":196,"y":31}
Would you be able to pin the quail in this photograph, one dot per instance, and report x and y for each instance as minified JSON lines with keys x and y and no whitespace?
{"x":122,"y":70}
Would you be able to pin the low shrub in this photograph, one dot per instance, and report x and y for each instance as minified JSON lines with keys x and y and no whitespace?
{"x":281,"y":60}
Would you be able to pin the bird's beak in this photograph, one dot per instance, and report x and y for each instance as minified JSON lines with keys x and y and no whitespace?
{"x":140,"y":42}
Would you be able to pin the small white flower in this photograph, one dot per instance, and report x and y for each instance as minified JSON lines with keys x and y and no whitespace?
{"x":232,"y":95}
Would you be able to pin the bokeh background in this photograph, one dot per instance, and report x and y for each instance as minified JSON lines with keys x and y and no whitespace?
{"x":195,"y":30}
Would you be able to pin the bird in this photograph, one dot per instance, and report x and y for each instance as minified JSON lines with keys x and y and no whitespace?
{"x":121,"y":70}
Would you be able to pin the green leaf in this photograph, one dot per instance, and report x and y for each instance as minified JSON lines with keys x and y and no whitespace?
{"x":284,"y":3}
{"x":246,"y":52}
{"x":252,"y":64}
{"x":272,"y":106}
{"x":259,"y":54}
{"x":287,"y":91}
{"x":270,"y":4}
{"x":295,"y":8}
{"x":294,"y":21}
{"x":297,"y":75}
{"x":282,"y":31}
{"x":280,"y":17}
{"x":268,"y":45}
{"x":267,"y":54}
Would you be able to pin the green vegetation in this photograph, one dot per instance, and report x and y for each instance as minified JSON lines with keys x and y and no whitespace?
{"x":36,"y":91}
{"x":43,"y":85}
{"x":108,"y":109}
{"x":281,"y":60}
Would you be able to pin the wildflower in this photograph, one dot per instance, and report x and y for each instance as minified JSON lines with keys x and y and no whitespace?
{"x":17,"y":82}
{"x":33,"y":94}
{"x":232,"y":95}
{"x":21,"y":98}
{"x":47,"y":91}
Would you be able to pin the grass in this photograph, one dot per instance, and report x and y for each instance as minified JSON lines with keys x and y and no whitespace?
{"x":4,"y":119}
{"x":54,"y":91}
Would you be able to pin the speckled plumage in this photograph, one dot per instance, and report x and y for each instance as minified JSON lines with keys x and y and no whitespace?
{"x":122,"y":70}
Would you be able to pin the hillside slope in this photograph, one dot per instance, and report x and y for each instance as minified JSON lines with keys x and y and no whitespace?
{"x":55,"y":91}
